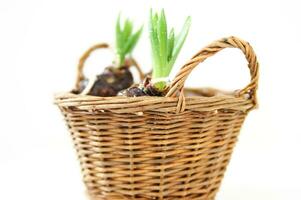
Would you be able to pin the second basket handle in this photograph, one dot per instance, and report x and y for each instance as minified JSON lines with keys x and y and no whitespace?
{"x":177,"y":84}
{"x":80,"y":67}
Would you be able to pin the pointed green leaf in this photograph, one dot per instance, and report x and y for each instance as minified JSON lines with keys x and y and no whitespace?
{"x":154,"y":43}
{"x":179,"y":40}
{"x":162,"y":31}
{"x":119,"y":40}
{"x":171,"y":41}
{"x":118,"y":33}
{"x":132,"y":41}
{"x":127,"y":30}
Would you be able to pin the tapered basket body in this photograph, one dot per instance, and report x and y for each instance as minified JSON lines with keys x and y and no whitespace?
{"x":172,"y":147}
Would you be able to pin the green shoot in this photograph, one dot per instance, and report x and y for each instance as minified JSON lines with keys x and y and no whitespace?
{"x":165,"y":47}
{"x":126,"y":39}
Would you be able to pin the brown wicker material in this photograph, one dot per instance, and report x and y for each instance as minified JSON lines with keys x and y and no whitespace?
{"x":172,"y":147}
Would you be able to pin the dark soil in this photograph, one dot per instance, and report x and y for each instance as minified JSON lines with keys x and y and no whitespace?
{"x":110,"y":82}
{"x":145,"y":89}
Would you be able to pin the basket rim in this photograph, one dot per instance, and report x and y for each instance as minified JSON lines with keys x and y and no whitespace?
{"x":121,"y":104}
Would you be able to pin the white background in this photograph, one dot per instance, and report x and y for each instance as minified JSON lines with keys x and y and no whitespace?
{"x":41,"y":41}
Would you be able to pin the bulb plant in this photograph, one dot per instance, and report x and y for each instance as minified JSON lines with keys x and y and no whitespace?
{"x":165,"y":48}
{"x":118,"y":76}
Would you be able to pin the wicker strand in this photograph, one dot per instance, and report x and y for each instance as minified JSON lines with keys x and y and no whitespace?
{"x":177,"y":84}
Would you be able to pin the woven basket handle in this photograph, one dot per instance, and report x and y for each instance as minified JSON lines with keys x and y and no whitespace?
{"x":80,"y":67}
{"x":177,"y":85}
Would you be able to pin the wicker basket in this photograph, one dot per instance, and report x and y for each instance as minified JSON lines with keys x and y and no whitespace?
{"x":172,"y":147}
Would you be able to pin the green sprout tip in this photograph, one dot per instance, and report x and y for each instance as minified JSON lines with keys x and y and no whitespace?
{"x":126,"y":39}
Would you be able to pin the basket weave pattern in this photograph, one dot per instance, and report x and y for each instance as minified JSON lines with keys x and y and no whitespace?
{"x":172,"y":147}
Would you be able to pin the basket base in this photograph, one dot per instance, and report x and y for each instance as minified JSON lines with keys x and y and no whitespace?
{"x":140,"y":197}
